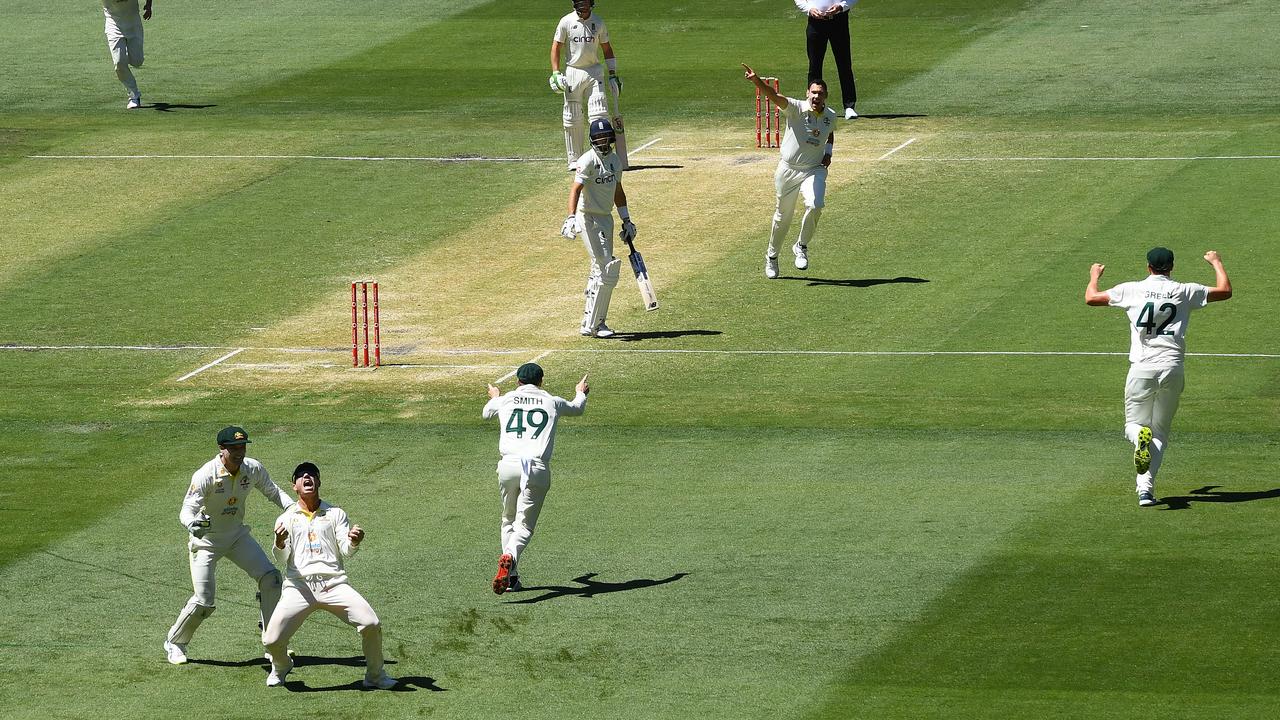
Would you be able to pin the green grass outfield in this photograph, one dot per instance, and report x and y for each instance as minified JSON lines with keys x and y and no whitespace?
{"x":891,"y":486}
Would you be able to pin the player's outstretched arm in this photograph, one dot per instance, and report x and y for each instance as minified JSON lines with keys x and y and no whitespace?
{"x":1091,"y":294}
{"x":1221,"y":289}
{"x":774,"y":96}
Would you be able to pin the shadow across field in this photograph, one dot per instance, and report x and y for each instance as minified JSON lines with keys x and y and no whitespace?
{"x":405,"y":684}
{"x":1209,"y":494}
{"x":170,"y":107}
{"x":637,"y":168}
{"x":854,"y":282}
{"x":660,"y":334}
{"x":299,"y":661}
{"x":589,"y":588}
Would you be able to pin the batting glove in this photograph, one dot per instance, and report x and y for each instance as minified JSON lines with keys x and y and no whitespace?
{"x":615,"y":82}
{"x":628,"y":233}
{"x":558,"y":82}
{"x":570,"y":228}
{"x":198,"y":528}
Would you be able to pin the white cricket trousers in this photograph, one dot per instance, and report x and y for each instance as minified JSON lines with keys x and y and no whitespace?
{"x":244,"y":551}
{"x":523,"y":485}
{"x":301,"y":598}
{"x":791,"y":184}
{"x":586,"y":88}
{"x":124,"y":39}
{"x":1150,"y":399}
{"x":597,"y":238}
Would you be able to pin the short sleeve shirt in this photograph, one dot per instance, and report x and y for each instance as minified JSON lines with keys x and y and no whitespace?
{"x":599,"y":178}
{"x":1158,"y":310}
{"x":582,"y":39}
{"x":805,"y":140}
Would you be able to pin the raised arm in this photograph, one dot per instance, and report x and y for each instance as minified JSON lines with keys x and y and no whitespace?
{"x":1221,"y":289}
{"x":774,"y":96}
{"x":1092,"y":296}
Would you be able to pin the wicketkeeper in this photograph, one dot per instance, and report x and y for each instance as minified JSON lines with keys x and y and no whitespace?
{"x":585,"y":37}
{"x":527,"y":418}
{"x":213,"y":515}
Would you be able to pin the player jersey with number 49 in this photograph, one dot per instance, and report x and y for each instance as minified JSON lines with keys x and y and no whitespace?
{"x":1158,"y":310}
{"x":527,"y":420}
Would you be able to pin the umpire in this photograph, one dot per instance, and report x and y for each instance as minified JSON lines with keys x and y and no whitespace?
{"x":829,"y":23}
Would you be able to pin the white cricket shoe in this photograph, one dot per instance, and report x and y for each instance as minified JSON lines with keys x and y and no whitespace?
{"x":382,"y":682}
{"x":802,"y":256}
{"x":1147,"y":499}
{"x":600,"y":331}
{"x":134,"y":103}
{"x":177,"y":653}
{"x":771,"y":267}
{"x":275,"y":679}
{"x":849,"y":114}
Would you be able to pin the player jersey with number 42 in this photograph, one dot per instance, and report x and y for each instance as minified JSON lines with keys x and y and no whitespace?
{"x":1158,"y":310}
{"x":527,"y":420}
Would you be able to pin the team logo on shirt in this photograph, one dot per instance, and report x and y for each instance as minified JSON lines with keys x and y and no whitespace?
{"x":311,"y":536}
{"x":217,"y":486}
{"x":232,"y":500}
{"x":244,"y":483}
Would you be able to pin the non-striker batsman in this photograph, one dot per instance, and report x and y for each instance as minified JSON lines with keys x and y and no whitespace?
{"x":584,"y":38}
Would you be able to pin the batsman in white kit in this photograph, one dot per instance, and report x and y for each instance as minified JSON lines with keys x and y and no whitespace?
{"x":213,"y":514}
{"x":1159,"y":310}
{"x":527,"y":418}
{"x":806,"y":150}
{"x":596,"y":189}
{"x":312,"y":539}
{"x":584,"y":37}
{"x":124,"y":40}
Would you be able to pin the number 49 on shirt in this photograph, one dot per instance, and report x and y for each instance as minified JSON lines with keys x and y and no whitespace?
{"x":537,"y":419}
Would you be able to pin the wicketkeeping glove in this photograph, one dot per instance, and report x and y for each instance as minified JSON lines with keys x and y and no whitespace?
{"x":616,"y":83}
{"x":570,"y":228}
{"x":628,"y":233}
{"x":558,"y":82}
{"x":198,"y":528}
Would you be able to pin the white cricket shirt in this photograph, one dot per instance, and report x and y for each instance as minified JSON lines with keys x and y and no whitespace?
{"x":824,"y":5}
{"x":581,"y":39}
{"x":316,"y":544}
{"x":599,"y":178}
{"x":527,"y":418}
{"x":122,"y":10}
{"x":223,"y":496}
{"x":804,"y":142}
{"x":1158,"y":310}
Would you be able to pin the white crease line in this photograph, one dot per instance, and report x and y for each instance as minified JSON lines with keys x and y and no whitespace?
{"x":199,"y":370}
{"x":645,"y":146}
{"x":882,"y":157}
{"x":509,"y":375}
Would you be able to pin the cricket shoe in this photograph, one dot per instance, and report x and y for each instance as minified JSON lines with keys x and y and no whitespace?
{"x":600,"y":331}
{"x":513,"y":584}
{"x":1146,"y":499}
{"x":275,"y":679}
{"x":1142,"y":451}
{"x":177,"y":653}
{"x":771,"y":267}
{"x":802,"y":256}
{"x":382,"y":682}
{"x":502,"y":581}
{"x":850,"y":114}
{"x":134,"y":103}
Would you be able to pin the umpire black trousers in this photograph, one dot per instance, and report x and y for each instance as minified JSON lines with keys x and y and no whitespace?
{"x":836,"y":32}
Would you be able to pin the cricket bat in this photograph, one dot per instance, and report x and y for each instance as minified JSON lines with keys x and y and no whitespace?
{"x":620,"y":134}
{"x":642,"y":278}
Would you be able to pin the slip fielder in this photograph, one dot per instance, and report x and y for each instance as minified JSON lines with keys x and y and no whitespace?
{"x":527,"y":419}
{"x":806,"y":151}
{"x":213,"y":513}
{"x":584,"y":37}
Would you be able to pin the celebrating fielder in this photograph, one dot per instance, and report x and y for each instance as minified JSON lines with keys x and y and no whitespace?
{"x":312,"y":538}
{"x":527,"y":418}
{"x":213,"y":514}
{"x":585,"y":37}
{"x":802,"y":171}
{"x":1159,"y":310}
{"x":596,"y":189}
{"x":124,"y":39}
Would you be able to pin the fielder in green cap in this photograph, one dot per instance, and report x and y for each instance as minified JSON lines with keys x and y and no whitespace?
{"x":527,"y":418}
{"x":1158,"y":310}
{"x":213,"y":516}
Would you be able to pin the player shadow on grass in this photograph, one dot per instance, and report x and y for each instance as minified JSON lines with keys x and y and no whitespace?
{"x":405,"y":684}
{"x":860,"y":283}
{"x":590,"y":588}
{"x":637,"y":168}
{"x":1208,"y":494}
{"x":890,"y":116}
{"x":660,"y":334}
{"x":170,"y":107}
{"x":298,"y":661}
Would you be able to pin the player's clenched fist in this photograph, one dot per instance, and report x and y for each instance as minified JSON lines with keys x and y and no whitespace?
{"x":356,"y":534}
{"x":282,"y":534}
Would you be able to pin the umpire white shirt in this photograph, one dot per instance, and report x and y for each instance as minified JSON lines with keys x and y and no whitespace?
{"x":805,"y":140}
